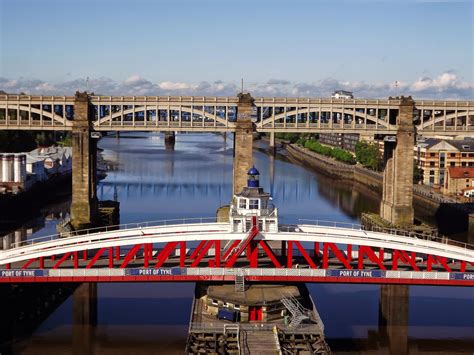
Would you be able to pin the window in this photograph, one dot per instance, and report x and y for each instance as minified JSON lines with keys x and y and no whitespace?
{"x":226,"y":304}
{"x":463,"y":163}
{"x":471,"y":163}
{"x":471,"y":155}
{"x":431,"y":172}
{"x":214,"y":302}
{"x":242,"y":203}
{"x":237,"y":307}
{"x":432,"y":163}
{"x":452,"y":164}
{"x":452,"y":155}
{"x":253,"y":204}
{"x":432,"y":154}
{"x":464,"y":155}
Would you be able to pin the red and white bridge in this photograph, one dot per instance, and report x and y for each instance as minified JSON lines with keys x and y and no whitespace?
{"x":204,"y":250}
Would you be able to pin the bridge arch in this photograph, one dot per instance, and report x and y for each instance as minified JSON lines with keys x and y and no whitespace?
{"x":107,"y":119}
{"x":268,"y":121}
{"x":51,"y":115}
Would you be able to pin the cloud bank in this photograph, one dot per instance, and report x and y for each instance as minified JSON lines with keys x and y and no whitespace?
{"x":445,"y":86}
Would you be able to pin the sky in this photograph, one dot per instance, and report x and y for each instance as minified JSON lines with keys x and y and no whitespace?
{"x":305,"y":48}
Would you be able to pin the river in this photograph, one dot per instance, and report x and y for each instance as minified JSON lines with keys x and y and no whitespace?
{"x":193,"y":180}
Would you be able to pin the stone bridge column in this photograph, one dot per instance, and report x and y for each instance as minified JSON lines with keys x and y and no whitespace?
{"x":84,"y":206}
{"x":397,"y":201}
{"x":243,"y":142}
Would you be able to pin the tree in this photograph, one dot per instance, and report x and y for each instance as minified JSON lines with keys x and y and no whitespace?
{"x":368,"y":155}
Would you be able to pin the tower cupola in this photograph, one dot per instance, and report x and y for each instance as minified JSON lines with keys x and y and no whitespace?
{"x":253,"y":177}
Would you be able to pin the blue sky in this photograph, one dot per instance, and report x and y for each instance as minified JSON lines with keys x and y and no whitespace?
{"x":291,"y":47}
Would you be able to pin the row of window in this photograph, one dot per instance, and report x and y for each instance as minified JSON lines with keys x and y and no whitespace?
{"x":451,"y":164}
{"x":451,"y":155}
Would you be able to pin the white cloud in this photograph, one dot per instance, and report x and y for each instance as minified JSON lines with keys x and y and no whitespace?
{"x":446,"y":85}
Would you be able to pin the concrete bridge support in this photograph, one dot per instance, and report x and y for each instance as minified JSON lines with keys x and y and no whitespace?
{"x":84,"y":206}
{"x":170,"y":139}
{"x":243,"y":142}
{"x":393,"y":317}
{"x":84,"y":318}
{"x":397,"y":201}
{"x":271,"y":144}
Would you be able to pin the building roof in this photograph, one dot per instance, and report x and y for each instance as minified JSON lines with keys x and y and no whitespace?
{"x":461,"y":172}
{"x":251,"y":192}
{"x":463,"y":145}
{"x":255,"y":295}
{"x":52,"y":152}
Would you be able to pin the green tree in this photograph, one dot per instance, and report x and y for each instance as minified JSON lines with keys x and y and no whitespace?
{"x":368,"y":155}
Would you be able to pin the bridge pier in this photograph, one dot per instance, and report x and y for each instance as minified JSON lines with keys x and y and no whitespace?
{"x":170,"y":139}
{"x":393,"y":317}
{"x":84,"y":318}
{"x":243,"y":142}
{"x":271,"y":144}
{"x":84,"y":206}
{"x":397,"y":201}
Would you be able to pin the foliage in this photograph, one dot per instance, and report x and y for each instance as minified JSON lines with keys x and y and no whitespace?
{"x":17,"y":141}
{"x":417,"y":174}
{"x":368,"y":155}
{"x":24,"y":141}
{"x":336,"y":153}
{"x":291,"y":137}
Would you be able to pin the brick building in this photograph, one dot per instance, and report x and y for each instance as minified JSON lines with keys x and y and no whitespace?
{"x":459,"y":180}
{"x":340,"y":140}
{"x":435,"y":156}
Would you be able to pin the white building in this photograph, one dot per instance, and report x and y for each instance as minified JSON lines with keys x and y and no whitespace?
{"x":342,"y":94}
{"x":253,"y":203}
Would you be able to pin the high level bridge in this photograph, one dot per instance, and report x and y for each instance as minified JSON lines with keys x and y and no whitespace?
{"x":205,"y":250}
{"x":211,"y":114}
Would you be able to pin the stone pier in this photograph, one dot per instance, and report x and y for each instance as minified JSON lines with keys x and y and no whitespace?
{"x":243,"y":142}
{"x":271,"y":144}
{"x":84,"y":206}
{"x":397,"y":201}
{"x":170,"y":139}
{"x":393,"y":317}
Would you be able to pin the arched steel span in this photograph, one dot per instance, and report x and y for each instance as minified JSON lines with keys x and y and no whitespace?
{"x":210,"y":114}
{"x":189,"y":247}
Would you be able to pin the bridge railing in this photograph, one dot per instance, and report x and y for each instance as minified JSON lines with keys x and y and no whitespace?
{"x":375,"y":229}
{"x":210,"y":327}
{"x":136,"y":225}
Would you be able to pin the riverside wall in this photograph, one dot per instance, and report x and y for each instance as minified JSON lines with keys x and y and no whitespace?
{"x":431,"y":208}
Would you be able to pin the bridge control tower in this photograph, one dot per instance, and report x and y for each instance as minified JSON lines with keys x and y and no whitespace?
{"x":253,"y":205}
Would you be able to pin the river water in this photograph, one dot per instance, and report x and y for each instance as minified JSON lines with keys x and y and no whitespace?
{"x":193,"y":180}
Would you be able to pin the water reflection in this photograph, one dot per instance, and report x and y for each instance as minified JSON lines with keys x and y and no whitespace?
{"x":192,"y":180}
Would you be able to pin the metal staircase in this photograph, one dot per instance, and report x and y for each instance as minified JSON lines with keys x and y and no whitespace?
{"x":244,"y":243}
{"x":298,"y":312}
{"x":240,"y":280}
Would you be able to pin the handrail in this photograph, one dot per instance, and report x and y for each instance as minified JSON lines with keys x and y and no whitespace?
{"x":128,"y":226}
{"x":392,"y":231}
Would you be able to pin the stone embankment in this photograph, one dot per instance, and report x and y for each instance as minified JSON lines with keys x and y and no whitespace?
{"x":426,"y":201}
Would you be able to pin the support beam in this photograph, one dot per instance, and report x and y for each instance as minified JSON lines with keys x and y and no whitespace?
{"x":397,"y":201}
{"x":243,"y":141}
{"x":84,"y":206}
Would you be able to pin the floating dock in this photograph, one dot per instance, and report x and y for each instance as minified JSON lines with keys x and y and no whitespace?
{"x":261,"y":319}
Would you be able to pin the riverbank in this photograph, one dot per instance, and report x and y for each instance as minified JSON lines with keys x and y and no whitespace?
{"x":430,"y":207}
